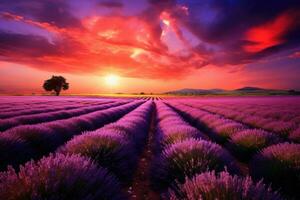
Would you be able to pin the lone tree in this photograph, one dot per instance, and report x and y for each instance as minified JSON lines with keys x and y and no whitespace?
{"x":56,"y":83}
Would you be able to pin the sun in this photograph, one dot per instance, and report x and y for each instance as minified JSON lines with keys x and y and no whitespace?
{"x":111,"y":80}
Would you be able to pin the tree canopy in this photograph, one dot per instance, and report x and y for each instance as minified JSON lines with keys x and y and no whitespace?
{"x":56,"y":84}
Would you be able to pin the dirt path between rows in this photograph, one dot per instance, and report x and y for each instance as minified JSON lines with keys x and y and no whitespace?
{"x":140,"y":189}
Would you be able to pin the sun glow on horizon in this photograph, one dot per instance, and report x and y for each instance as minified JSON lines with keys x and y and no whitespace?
{"x":112,"y":80}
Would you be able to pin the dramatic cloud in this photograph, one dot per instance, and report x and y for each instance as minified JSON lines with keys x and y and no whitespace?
{"x":152,"y":39}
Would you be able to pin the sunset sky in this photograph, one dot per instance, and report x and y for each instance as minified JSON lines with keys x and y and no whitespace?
{"x":150,"y":45}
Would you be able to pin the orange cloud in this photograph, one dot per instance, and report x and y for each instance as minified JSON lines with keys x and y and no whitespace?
{"x":126,"y":44}
{"x":154,"y":44}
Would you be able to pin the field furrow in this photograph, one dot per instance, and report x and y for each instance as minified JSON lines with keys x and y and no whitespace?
{"x":149,"y":148}
{"x":141,"y":185}
{"x":281,"y":128}
{"x":27,"y":142}
{"x":51,"y":116}
{"x":49,"y":108}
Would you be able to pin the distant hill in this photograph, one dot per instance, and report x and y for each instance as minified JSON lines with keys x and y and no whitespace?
{"x":249,"y":89}
{"x":188,"y":91}
{"x":240,"y":91}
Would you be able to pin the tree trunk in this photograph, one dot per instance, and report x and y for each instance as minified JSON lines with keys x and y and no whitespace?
{"x":57,"y":91}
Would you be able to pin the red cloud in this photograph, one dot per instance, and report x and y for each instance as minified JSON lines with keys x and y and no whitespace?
{"x":127,"y":45}
{"x":156,"y":43}
{"x":268,"y":35}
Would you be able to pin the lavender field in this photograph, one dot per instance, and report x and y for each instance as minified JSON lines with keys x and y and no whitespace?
{"x":186,"y":148}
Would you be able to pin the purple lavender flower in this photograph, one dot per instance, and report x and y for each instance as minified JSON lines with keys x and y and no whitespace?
{"x":132,"y":133}
{"x":46,"y":137}
{"x":283,"y":128}
{"x":40,"y":138}
{"x":108,"y":149}
{"x":296,"y":119}
{"x":49,"y":116}
{"x":225,"y":131}
{"x":65,"y":129}
{"x":247,"y":142}
{"x":59,"y":177}
{"x":256,"y":121}
{"x":9,"y":151}
{"x":211,"y":119}
{"x":179,"y":133}
{"x":219,"y":122}
{"x":83,"y":123}
{"x":295,"y":135}
{"x":280,"y":165}
{"x":222,"y":186}
{"x":187,"y":158}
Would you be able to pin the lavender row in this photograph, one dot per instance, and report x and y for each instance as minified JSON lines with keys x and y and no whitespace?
{"x":29,"y":102}
{"x":271,"y":111}
{"x":87,"y":167}
{"x":49,"y":108}
{"x":222,"y":185}
{"x":186,"y":154}
{"x":276,"y":163}
{"x":22,"y":143}
{"x":51,"y":116}
{"x":273,"y":108}
{"x":295,"y":135}
{"x":179,"y":171}
{"x":279,"y":165}
{"x":22,"y":107}
{"x":41,"y":104}
{"x":242,"y":140}
{"x":282,"y":128}
{"x":171,"y":128}
{"x":116,"y":146}
{"x":59,"y":176}
{"x":21,"y":102}
{"x":33,"y":110}
{"x":285,"y":130}
{"x":284,"y":109}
